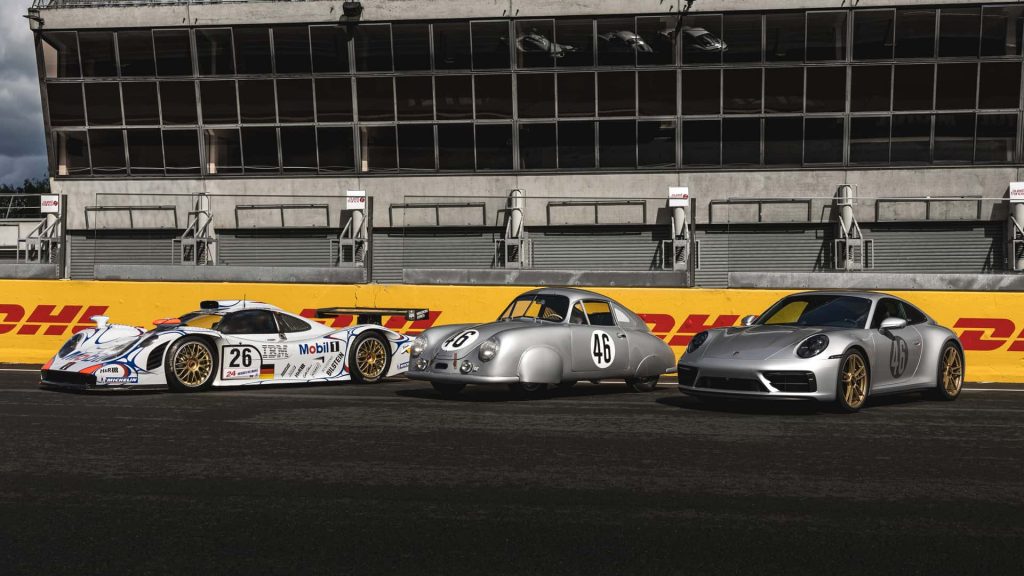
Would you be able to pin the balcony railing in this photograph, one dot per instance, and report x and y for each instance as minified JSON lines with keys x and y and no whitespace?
{"x":37,"y":4}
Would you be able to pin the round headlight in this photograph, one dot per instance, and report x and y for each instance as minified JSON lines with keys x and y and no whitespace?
{"x":70,"y":345}
{"x":466,"y":367}
{"x":697,"y":341}
{"x":418,"y":345}
{"x":489,"y":349}
{"x":421,"y":364}
{"x":812,"y":346}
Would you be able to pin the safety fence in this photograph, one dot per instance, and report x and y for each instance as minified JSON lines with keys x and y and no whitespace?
{"x":598,"y":238}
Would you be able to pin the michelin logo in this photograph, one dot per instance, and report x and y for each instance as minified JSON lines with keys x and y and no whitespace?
{"x":320,"y":347}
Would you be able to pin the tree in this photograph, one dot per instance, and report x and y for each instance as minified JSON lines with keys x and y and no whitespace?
{"x":22,"y":201}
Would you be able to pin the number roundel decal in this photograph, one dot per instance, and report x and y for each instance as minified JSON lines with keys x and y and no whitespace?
{"x":459,"y":340}
{"x":602,"y":349}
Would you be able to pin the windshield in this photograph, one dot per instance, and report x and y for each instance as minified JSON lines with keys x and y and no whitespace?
{"x":549,"y":307}
{"x":200,"y":319}
{"x":818,"y":310}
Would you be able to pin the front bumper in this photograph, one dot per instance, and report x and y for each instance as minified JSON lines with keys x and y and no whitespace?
{"x":813,"y":378}
{"x":79,"y":381}
{"x":446,"y":371}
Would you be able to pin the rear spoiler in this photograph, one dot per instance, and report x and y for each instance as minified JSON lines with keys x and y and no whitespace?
{"x":374,"y":315}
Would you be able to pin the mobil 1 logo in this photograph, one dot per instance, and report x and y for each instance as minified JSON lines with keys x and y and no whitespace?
{"x":602,"y":349}
{"x":459,"y":340}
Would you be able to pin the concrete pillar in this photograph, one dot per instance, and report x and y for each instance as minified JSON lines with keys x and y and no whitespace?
{"x":515,"y":214}
{"x":1018,"y":214}
{"x":679,"y":221}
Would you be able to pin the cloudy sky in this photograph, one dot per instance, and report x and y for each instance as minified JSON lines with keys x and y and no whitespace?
{"x":22,"y":150}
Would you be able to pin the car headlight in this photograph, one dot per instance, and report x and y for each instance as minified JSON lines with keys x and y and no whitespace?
{"x":489,"y":349}
{"x":419,"y":344}
{"x":70,"y":345}
{"x":697,"y":341}
{"x":812,"y":346}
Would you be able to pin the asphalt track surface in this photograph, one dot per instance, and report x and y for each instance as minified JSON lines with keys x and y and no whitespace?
{"x":392,"y":478}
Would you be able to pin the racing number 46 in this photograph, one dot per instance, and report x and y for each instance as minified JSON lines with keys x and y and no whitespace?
{"x":602,"y":348}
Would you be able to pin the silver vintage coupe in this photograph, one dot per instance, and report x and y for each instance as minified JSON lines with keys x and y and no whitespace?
{"x":549,"y":336}
{"x":830,"y":346}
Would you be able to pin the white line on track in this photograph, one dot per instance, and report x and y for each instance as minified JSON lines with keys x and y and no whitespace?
{"x":18,"y":370}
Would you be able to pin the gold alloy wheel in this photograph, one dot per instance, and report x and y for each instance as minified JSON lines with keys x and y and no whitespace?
{"x":370,"y":358}
{"x":855,"y":381}
{"x":952,"y":372}
{"x":193,"y":363}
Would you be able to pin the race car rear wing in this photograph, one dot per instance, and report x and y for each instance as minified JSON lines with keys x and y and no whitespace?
{"x":374,"y":315}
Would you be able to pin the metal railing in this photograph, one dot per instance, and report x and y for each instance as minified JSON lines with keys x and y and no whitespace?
{"x":46,"y":4}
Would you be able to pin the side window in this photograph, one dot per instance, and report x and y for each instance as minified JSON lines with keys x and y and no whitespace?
{"x":886,"y":308}
{"x":249,"y":322}
{"x":622,"y":317}
{"x":914,"y":316}
{"x":291,"y":324}
{"x":600,"y":313}
{"x":577,"y":316}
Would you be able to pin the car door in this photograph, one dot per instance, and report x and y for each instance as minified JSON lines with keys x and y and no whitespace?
{"x":252,"y":348}
{"x":897,"y":352}
{"x":600,"y":348}
{"x":304,"y":351}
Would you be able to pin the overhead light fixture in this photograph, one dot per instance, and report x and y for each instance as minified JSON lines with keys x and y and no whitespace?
{"x":352,"y":9}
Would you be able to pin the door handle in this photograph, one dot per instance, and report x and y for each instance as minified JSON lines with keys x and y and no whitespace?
{"x":621,"y":335}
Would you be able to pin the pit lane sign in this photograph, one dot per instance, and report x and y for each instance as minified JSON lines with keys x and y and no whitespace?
{"x":679,"y":197}
{"x":49,"y":204}
{"x":1016,"y":192}
{"x":355,"y":200}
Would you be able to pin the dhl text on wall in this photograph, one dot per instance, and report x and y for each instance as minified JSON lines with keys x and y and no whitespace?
{"x":37,"y":316}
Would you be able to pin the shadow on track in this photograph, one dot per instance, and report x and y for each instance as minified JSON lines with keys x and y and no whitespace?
{"x":740,"y":406}
{"x":743,"y":406}
{"x":503,"y":394}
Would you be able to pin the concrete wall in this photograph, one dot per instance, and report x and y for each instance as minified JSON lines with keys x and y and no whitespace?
{"x":990,"y":182}
{"x":330,"y":11}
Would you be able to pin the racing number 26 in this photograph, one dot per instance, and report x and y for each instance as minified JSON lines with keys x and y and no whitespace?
{"x":602,"y":348}
{"x":240,"y":358}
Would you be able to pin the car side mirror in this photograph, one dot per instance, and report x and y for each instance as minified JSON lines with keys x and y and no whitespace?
{"x":748,"y":320}
{"x":893,"y":324}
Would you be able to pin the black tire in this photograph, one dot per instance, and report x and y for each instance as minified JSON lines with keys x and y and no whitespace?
{"x":377,"y":362}
{"x":949,"y":390}
{"x":525,"y":390}
{"x":853,"y":400}
{"x":648,"y":384}
{"x":448,"y":389}
{"x":567,"y":385}
{"x":190,"y":364}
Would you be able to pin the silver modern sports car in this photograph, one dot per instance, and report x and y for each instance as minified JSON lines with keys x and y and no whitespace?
{"x":547,"y":336}
{"x":830,"y":346}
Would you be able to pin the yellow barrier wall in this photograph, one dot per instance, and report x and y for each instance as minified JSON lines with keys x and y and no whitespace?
{"x":37,"y":316}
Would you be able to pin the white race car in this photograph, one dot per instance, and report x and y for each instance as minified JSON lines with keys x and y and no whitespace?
{"x":232,"y":343}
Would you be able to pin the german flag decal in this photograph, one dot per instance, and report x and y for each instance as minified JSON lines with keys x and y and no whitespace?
{"x":266,"y":372}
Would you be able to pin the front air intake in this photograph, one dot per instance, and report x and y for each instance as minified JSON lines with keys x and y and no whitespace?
{"x":794,"y":381}
{"x":156,"y":357}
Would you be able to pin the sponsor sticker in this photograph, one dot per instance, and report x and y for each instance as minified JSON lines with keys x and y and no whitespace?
{"x":334,"y":364}
{"x":315,"y":348}
{"x":274,"y":351}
